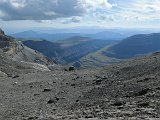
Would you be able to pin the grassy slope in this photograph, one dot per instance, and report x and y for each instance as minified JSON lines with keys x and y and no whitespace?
{"x":97,"y":59}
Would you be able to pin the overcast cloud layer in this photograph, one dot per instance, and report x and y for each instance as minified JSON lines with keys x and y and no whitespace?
{"x":82,"y":12}
{"x":48,"y":9}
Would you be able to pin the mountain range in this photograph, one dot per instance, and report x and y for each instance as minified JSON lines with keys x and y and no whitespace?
{"x":105,"y":35}
{"x":89,"y":52}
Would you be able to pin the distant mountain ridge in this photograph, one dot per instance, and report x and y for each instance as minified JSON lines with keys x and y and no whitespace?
{"x":105,"y":35}
{"x":108,"y":35}
{"x":135,"y":45}
{"x":37,"y":35}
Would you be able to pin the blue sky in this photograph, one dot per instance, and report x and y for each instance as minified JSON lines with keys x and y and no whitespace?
{"x":72,"y":13}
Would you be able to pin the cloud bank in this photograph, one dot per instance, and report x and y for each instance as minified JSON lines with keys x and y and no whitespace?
{"x":48,"y":9}
{"x":81,"y":12}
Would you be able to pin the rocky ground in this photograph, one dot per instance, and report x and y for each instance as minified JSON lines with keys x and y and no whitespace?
{"x":125,"y":91}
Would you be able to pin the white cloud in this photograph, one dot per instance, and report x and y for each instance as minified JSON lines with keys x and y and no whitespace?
{"x":152,"y":8}
{"x":102,"y":17}
{"x":82,"y":11}
{"x":17,"y":3}
{"x":138,"y":10}
{"x":96,"y":4}
{"x":72,"y":20}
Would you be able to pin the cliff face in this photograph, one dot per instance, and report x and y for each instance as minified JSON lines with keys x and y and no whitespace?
{"x":1,"y":32}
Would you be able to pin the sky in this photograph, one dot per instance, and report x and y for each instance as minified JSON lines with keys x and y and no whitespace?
{"x":21,"y":14}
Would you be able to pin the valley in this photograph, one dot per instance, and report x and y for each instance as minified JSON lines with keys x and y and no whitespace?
{"x":68,"y":51}
{"x":87,"y":52}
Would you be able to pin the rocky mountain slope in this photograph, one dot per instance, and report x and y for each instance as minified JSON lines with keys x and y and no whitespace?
{"x":134,"y":46}
{"x":15,"y":58}
{"x":128,"y":90}
{"x":16,"y":51}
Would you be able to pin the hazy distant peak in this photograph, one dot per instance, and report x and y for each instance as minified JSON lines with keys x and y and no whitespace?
{"x":30,"y":32}
{"x":78,"y":38}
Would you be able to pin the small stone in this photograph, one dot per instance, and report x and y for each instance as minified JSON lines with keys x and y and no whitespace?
{"x":16,"y":76}
{"x":73,"y":84}
{"x":118,"y":103}
{"x":51,"y":101}
{"x":46,"y":90}
{"x":98,"y":81}
{"x":143,"y":104}
{"x":71,"y":68}
{"x":32,"y":118}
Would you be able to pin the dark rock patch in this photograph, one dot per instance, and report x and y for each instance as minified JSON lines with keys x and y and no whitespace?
{"x":46,"y":90}
{"x":143,"y":104}
{"x":98,"y":81}
{"x":142,"y":92}
{"x":51,"y":101}
{"x":144,"y":80}
{"x":54,"y":100}
{"x":32,"y":118}
{"x":71,"y":68}
{"x":15,"y":76}
{"x":118,"y":103}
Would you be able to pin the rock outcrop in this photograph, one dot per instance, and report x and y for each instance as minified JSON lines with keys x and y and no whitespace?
{"x":1,"y":32}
